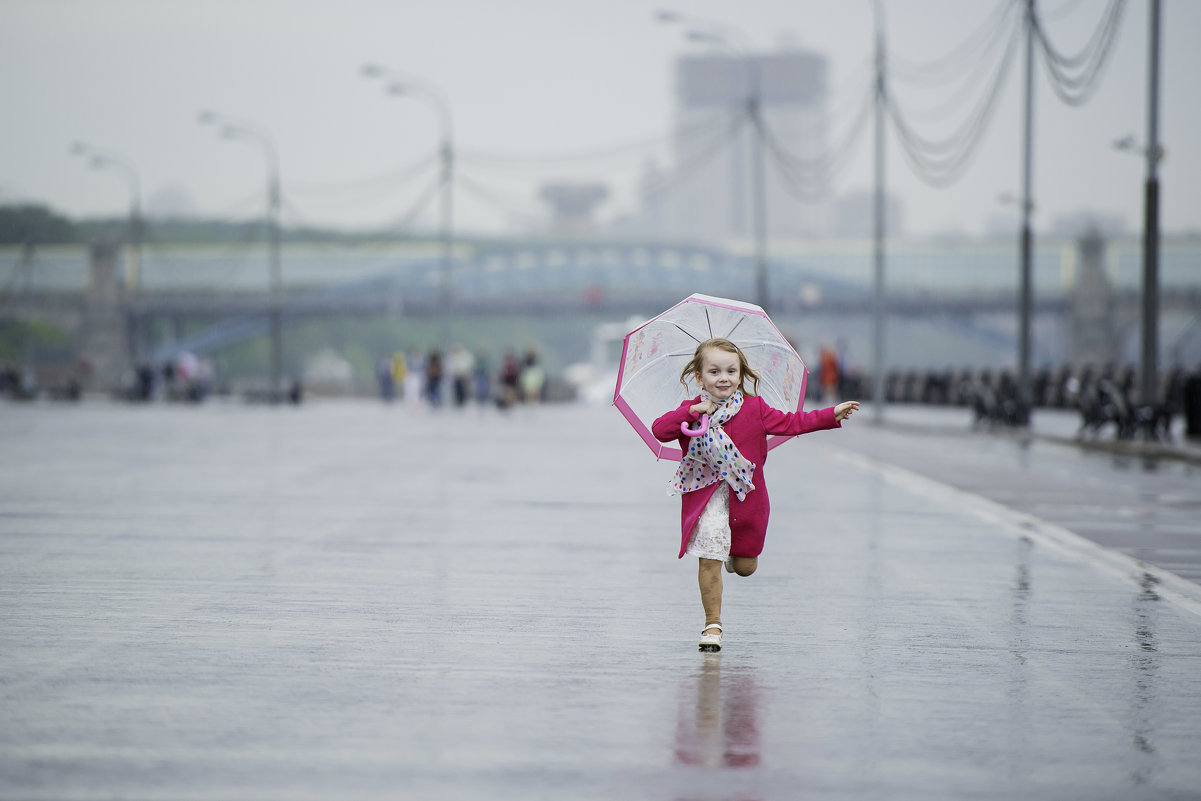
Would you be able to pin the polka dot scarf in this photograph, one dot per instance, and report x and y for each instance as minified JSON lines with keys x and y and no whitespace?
{"x":713,"y":457}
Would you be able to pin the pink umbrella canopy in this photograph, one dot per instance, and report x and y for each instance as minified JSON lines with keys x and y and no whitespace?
{"x":648,"y":378}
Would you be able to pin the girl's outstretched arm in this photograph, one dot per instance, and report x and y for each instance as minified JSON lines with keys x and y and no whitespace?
{"x":793,"y":423}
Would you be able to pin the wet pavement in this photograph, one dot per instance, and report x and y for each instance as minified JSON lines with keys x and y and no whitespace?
{"x":1141,"y":499}
{"x":347,"y":600}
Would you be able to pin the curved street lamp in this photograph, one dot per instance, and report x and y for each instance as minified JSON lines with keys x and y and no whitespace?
{"x":399,"y":84}
{"x":105,"y":160}
{"x":238,"y":130}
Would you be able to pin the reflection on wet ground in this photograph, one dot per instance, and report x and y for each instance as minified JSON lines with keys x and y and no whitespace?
{"x":718,"y":722}
{"x":1145,"y":663}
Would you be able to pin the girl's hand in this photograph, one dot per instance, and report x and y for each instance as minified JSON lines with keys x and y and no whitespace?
{"x":704,"y":407}
{"x":843,"y":410}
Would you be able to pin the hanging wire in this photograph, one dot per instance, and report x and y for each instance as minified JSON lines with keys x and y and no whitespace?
{"x":1090,"y":49}
{"x":972,"y":81}
{"x":682,"y":171}
{"x":367,"y":191}
{"x":639,"y":152}
{"x":491,"y":198}
{"x":420,"y":205}
{"x":1064,"y":11}
{"x":481,"y":171}
{"x":517,"y":161}
{"x":720,"y":131}
{"x":428,"y":192}
{"x":813,"y":172}
{"x":955,"y":64}
{"x":235,"y":212}
{"x":400,"y":174}
{"x":941,"y":162}
{"x":1075,"y":78}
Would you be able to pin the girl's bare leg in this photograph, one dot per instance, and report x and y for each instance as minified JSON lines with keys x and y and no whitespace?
{"x":708,"y":576}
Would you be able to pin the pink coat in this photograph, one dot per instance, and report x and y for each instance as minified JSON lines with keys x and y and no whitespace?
{"x":748,"y":429}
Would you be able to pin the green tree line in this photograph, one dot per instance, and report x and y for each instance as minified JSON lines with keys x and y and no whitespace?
{"x":31,"y":224}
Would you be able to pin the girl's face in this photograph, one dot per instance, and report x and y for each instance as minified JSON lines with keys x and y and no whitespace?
{"x":720,"y":374}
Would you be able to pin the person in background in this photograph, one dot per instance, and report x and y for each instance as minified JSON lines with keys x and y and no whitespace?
{"x":414,"y":389}
{"x":483,"y":377}
{"x":509,"y":378}
{"x":462,"y":365}
{"x":830,"y":370}
{"x":387,"y":384}
{"x":399,"y":371}
{"x":433,"y":378}
{"x":533,"y":378}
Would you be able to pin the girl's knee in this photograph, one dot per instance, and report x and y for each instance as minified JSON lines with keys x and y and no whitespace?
{"x":745,"y":565}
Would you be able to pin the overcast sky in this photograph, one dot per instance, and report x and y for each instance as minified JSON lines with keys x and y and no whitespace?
{"x":536,"y":88}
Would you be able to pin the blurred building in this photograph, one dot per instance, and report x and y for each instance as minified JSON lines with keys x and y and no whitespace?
{"x":573,"y":205}
{"x":1095,"y":332}
{"x":706,"y":194}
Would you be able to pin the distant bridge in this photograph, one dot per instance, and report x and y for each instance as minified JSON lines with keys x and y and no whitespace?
{"x":543,"y":278}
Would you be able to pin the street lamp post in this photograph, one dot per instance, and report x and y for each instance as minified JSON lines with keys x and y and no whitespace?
{"x":401,"y":85}
{"x":239,"y":130}
{"x":1026,"y":292}
{"x":722,"y":34}
{"x":881,"y":98}
{"x":1150,"y":312}
{"x":105,"y":160}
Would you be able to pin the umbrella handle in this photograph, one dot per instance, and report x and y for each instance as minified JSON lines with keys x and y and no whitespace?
{"x":691,"y":432}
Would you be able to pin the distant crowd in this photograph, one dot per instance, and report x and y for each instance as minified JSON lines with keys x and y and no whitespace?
{"x":462,"y":377}
{"x":1106,"y":397}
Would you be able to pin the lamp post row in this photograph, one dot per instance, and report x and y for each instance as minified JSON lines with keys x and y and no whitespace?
{"x":237,"y":130}
{"x":720,"y":34}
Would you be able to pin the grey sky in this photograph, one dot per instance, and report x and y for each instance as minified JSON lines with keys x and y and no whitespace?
{"x":525,"y":78}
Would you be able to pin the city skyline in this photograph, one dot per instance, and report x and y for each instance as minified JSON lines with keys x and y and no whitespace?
{"x":538,"y":92}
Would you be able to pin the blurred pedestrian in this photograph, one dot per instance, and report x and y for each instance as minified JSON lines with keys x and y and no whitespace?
{"x":533,"y":378}
{"x":830,"y":373}
{"x":399,"y":371}
{"x":508,"y":379}
{"x":433,"y":378}
{"x":414,"y":380}
{"x":483,"y":377}
{"x":720,"y":479}
{"x":462,"y":365}
{"x":383,"y":376}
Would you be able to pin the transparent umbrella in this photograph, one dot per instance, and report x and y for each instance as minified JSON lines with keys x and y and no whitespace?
{"x":648,"y":378}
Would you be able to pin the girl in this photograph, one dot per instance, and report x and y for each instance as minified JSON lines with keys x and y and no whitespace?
{"x":720,"y":478}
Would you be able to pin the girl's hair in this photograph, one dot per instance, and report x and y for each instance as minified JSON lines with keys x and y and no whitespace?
{"x":693,"y":368}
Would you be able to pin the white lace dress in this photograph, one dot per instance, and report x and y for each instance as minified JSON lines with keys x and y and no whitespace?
{"x":711,"y":536}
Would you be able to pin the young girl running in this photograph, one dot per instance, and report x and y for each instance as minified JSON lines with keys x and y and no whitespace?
{"x":720,"y":479}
